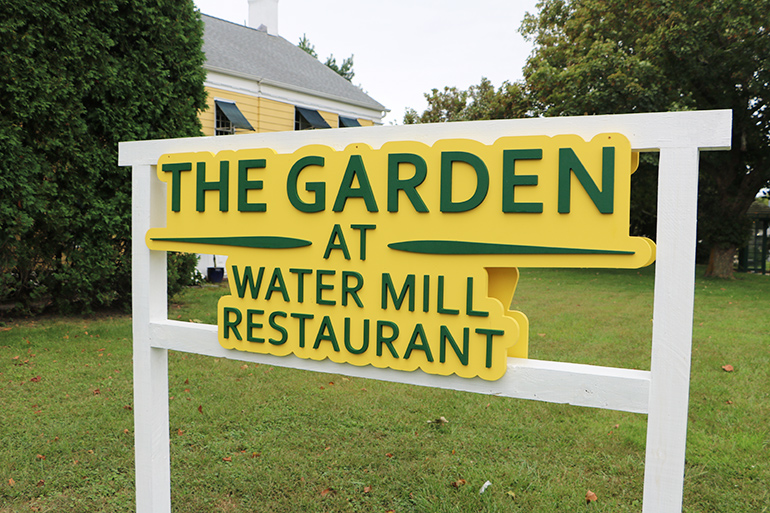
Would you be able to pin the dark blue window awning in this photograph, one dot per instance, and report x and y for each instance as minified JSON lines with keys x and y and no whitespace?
{"x":348,"y":122}
{"x":231,"y":111}
{"x":312,"y":117}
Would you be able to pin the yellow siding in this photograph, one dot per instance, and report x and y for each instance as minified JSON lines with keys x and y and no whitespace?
{"x":332,"y":119}
{"x":263,"y":114}
{"x":208,"y":117}
{"x":276,"y":116}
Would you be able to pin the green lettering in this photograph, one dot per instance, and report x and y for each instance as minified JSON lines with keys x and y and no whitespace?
{"x":176,"y":181}
{"x":355,"y":170}
{"x":408,"y":185}
{"x":569,"y":163}
{"x":389,"y":288}
{"x":247,"y":281}
{"x":317,"y":188}
{"x":277,"y":285}
{"x":348,"y":345}
{"x":489,"y":334}
{"x":440,"y":294}
{"x":218,"y":185}
{"x":469,"y":301}
{"x":342,"y":245}
{"x":363,"y":228}
{"x":347,"y":290}
{"x":245,"y":185}
{"x":320,"y":286}
{"x":301,"y":282}
{"x":447,"y":335}
{"x":251,"y":325}
{"x":277,"y":327}
{"x":302,"y":318}
{"x":448,"y":158}
{"x":326,"y":332}
{"x":511,"y":180}
{"x":228,"y":325}
{"x":388,"y":341}
{"x":423,"y":346}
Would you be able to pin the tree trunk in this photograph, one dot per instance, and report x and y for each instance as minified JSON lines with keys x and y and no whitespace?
{"x":721,"y":261}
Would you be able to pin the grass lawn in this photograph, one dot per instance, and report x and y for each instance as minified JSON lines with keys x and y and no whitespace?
{"x":249,"y":438}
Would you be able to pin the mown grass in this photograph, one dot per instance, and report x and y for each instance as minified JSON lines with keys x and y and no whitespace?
{"x":258,"y":438}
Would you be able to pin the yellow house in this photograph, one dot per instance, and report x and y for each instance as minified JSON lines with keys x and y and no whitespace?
{"x":259,"y":81}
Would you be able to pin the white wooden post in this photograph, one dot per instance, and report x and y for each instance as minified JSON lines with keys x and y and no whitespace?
{"x":672,"y":330}
{"x":151,"y":419}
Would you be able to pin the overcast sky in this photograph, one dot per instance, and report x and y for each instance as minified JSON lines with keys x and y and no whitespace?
{"x":404,"y":48}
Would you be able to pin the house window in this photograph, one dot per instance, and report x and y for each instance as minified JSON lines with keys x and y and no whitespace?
{"x":223,"y":126}
{"x":348,"y":122}
{"x":228,"y":118}
{"x":308,"y":119}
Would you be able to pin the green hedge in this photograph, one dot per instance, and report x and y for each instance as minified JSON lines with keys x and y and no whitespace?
{"x":76,"y":78}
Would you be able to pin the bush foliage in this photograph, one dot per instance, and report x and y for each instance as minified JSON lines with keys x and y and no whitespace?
{"x":182,"y":272}
{"x":76,"y":78}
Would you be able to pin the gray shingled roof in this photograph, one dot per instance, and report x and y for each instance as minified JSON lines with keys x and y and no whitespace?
{"x":244,"y":51}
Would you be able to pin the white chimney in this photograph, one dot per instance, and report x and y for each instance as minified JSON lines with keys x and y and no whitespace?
{"x":263,"y":15}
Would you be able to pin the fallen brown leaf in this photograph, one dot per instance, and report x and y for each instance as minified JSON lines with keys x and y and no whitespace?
{"x":458,"y":483}
{"x":40,"y":457}
{"x":227,"y":458}
{"x":727,"y":368}
{"x":591,"y":497}
{"x":326,"y":491}
{"x":41,"y":483}
{"x":36,"y":379}
{"x":200,"y":409}
{"x":11,"y":482}
{"x":367,"y":489}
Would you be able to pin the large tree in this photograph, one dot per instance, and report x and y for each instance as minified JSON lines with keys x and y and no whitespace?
{"x":615,"y":56}
{"x":479,"y":102}
{"x":77,"y":77}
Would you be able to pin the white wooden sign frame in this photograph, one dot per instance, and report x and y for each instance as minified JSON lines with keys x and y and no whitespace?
{"x":662,"y":393}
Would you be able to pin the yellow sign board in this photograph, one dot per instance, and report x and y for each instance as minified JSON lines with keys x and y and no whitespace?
{"x":404,"y":256}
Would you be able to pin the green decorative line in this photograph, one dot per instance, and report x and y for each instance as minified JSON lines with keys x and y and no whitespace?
{"x":453,"y":247}
{"x":260,"y":242}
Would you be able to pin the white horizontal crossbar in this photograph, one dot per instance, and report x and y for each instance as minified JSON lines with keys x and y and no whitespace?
{"x":555,"y":382}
